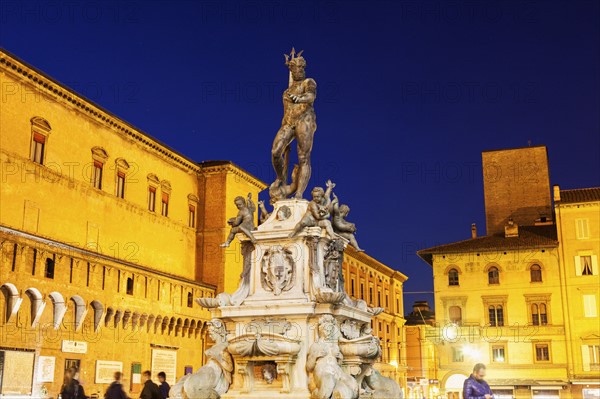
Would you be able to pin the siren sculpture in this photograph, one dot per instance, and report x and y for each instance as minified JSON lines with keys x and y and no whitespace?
{"x":292,"y":330}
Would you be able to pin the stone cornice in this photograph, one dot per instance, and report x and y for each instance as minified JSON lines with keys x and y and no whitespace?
{"x":375,"y":264}
{"x":59,"y":92}
{"x":12,"y":234}
{"x":216,"y":167}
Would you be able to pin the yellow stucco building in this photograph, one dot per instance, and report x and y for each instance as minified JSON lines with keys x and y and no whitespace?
{"x":380,"y":286}
{"x":578,"y":224}
{"x":522,"y":300}
{"x":107,"y":236}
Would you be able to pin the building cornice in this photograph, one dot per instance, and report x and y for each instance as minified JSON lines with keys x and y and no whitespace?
{"x":13,"y":235}
{"x":58,"y":91}
{"x":377,"y":265}
{"x":217,"y":167}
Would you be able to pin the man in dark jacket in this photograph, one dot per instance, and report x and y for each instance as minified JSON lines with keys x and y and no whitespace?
{"x":164,"y":386}
{"x":150,"y":390}
{"x":115,"y":390}
{"x":475,"y":386}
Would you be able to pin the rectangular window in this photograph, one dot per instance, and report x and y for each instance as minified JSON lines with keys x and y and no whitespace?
{"x":352,"y":287}
{"x":362,"y":291}
{"x":151,"y":198}
{"x":591,"y":357}
{"x":192,"y":216}
{"x":164,"y":210}
{"x":37,"y":148}
{"x":379,"y":298}
{"x":14,"y":258}
{"x":33,"y":263}
{"x":586,"y":265}
{"x":49,"y":270}
{"x":542,"y":353}
{"x":129,"y":288}
{"x":97,"y":178}
{"x":370,"y":295}
{"x":539,"y":314}
{"x":498,"y":353}
{"x":120,"y":192}
{"x":496,"y":315}
{"x":455,"y":314}
{"x":582,"y":229}
{"x":589,"y":305}
{"x":457,"y":355}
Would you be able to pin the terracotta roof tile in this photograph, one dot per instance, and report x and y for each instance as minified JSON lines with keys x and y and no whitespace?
{"x":580,"y":195}
{"x":529,"y":237}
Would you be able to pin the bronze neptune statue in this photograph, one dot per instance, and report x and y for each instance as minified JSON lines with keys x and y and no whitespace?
{"x":299,"y":122}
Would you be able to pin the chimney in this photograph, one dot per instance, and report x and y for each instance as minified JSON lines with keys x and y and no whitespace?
{"x":473,"y":230}
{"x":511,"y":229}
{"x":556,"y":193}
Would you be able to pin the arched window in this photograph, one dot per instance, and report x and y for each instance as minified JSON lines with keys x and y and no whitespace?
{"x":535,"y":272}
{"x":453,"y":277}
{"x":496,"y":315}
{"x":493,"y":275}
{"x":455,"y":314}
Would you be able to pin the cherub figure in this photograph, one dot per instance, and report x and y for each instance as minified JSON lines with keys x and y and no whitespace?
{"x":244,"y":221}
{"x":264,"y":214}
{"x":318,"y":211}
{"x":340,"y":225}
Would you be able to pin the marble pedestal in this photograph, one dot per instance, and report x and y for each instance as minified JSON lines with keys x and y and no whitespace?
{"x":286,"y":286}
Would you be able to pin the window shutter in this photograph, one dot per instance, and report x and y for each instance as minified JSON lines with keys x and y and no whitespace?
{"x":152,"y":189}
{"x":40,"y":138}
{"x":585,"y":357}
{"x":192,"y":208}
{"x":165,"y":198}
{"x":595,"y":265}
{"x":589,"y":305}
{"x":578,"y":265}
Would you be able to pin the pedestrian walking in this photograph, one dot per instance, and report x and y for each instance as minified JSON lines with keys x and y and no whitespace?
{"x":164,"y":386}
{"x":115,"y":389}
{"x":150,"y":390}
{"x":475,"y":386}
{"x":71,"y":388}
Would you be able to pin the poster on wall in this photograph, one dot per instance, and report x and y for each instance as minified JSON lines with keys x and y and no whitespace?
{"x":105,"y":370}
{"x":74,"y":346}
{"x":165,"y":360}
{"x":16,"y":372}
{"x":45,"y":368}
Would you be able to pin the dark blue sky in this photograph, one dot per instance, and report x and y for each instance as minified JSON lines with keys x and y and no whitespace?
{"x":409,"y":93}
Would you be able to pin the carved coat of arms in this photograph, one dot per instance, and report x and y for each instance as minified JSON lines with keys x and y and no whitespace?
{"x":277,"y":270}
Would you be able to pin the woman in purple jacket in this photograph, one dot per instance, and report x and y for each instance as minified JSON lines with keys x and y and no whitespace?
{"x":475,"y":386}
